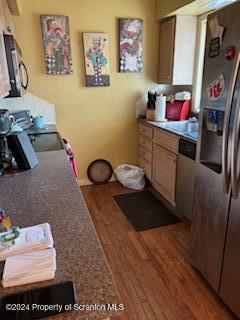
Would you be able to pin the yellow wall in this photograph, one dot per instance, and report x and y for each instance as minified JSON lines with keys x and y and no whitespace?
{"x":163,"y":8}
{"x":99,"y":122}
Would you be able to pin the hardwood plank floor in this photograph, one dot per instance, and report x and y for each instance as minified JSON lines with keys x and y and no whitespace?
{"x":151,"y":268}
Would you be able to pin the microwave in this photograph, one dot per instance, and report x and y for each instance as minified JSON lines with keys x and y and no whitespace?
{"x":18,"y":74}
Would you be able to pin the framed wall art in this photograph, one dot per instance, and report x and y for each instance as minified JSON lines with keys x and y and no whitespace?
{"x":131,"y":45}
{"x":95,"y":46}
{"x":56,"y":40}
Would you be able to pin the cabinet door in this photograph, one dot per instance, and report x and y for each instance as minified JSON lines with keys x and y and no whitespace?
{"x":6,"y":18}
{"x":167,"y":39}
{"x":164,"y":172}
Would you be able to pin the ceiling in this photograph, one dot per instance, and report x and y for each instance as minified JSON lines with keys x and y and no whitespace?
{"x":199,"y":7}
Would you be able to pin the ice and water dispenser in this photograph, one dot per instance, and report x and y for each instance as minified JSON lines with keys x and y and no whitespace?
{"x":212,"y":139}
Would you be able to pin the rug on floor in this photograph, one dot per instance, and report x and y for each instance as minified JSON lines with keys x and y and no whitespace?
{"x":144,"y":211}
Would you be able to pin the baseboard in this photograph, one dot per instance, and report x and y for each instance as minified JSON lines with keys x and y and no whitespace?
{"x":87,"y":182}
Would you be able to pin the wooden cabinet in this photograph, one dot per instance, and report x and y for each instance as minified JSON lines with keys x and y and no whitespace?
{"x":145,"y":146}
{"x":164,"y":172}
{"x":157,"y":155}
{"x":177,"y":50}
{"x":6,"y":18}
{"x":167,"y":37}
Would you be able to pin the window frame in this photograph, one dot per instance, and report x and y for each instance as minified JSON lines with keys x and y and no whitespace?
{"x":199,"y":62}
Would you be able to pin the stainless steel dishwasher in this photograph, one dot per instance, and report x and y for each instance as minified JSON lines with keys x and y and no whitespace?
{"x":185,"y":177}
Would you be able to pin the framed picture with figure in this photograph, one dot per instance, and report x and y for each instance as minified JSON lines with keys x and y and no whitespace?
{"x":131,"y":45}
{"x":95,"y":46}
{"x":56,"y":41}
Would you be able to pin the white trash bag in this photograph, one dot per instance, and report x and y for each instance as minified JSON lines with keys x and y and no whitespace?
{"x":130,"y":176}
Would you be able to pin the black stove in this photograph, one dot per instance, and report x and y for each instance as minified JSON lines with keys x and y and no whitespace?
{"x":47,"y":141}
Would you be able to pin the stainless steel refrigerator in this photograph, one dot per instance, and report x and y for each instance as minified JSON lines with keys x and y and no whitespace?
{"x":215,"y":246}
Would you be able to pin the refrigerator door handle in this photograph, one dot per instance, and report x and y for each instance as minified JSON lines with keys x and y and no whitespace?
{"x":226,"y":172}
{"x":234,"y":155}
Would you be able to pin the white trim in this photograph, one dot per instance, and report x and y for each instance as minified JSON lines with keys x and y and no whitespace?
{"x":87,"y":182}
{"x":199,"y":62}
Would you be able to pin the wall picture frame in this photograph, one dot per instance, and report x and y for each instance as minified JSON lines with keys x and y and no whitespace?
{"x":96,"y":56}
{"x":56,"y":41}
{"x":130,"y":45}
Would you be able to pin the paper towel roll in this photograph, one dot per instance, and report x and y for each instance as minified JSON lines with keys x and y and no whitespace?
{"x":160,"y":109}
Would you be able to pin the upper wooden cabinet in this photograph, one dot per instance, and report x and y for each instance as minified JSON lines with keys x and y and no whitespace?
{"x":15,"y":7}
{"x":6,"y":20}
{"x":177,"y":50}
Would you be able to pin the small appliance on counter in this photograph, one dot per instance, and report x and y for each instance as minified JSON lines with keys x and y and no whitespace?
{"x":22,"y":118}
{"x":16,"y":151}
{"x":5,"y":155}
{"x":178,"y":110}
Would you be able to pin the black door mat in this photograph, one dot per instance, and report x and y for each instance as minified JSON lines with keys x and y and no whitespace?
{"x":144,"y":211}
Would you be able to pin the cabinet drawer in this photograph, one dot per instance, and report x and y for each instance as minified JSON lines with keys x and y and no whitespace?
{"x":144,"y":153}
{"x":168,"y":141}
{"x":146,"y":166}
{"x":145,"y":130}
{"x":145,"y":142}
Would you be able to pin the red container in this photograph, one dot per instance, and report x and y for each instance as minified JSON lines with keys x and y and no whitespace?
{"x":178,"y":110}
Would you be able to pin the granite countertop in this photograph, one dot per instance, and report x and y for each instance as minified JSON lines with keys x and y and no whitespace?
{"x":49,"y":193}
{"x":162,"y":127}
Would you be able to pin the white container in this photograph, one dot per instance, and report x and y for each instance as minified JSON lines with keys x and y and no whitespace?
{"x":160,"y":109}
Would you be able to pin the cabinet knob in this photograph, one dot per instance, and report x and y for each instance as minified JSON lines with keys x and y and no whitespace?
{"x":168,"y":77}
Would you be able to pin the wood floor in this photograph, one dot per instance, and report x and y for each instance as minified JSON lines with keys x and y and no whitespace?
{"x":151,"y":268}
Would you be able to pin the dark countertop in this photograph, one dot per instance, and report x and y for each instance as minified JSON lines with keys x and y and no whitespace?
{"x":49,"y":193}
{"x":158,"y":125}
{"x":49,"y":128}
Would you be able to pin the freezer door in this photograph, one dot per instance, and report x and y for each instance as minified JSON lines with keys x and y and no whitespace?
{"x":209,"y":223}
{"x":230,"y":282}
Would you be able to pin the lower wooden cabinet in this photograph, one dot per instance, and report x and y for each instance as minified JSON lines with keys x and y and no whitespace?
{"x":164,"y":172}
{"x":157,"y":155}
{"x":146,"y":166}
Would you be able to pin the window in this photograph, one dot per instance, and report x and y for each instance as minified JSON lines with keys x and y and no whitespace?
{"x":199,"y":62}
